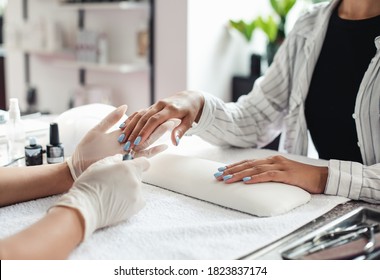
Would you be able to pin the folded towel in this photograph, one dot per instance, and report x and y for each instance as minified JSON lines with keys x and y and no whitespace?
{"x":175,"y":226}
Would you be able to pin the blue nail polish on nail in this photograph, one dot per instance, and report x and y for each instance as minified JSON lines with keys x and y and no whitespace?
{"x":177,"y":140}
{"x":137,"y":141}
{"x":227,"y":177}
{"x":222,"y":168}
{"x":122,"y":125}
{"x":121,"y":138}
{"x":218,"y":174}
{"x":127,"y":145}
{"x":245,"y":179}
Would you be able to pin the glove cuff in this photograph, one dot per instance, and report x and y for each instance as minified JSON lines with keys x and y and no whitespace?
{"x":69,"y":162}
{"x":84,"y":207}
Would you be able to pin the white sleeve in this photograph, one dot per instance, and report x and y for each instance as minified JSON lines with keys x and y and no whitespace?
{"x":354,"y":180}
{"x":256,"y":118}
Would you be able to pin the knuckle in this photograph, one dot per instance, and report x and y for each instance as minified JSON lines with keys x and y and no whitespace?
{"x":249,"y":163}
{"x":174,"y":108}
{"x":272,"y":174}
{"x":155,"y":118}
{"x":161,"y":103}
{"x":277,"y":158}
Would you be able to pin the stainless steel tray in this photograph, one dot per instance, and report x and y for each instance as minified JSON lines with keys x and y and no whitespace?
{"x":359,"y":216}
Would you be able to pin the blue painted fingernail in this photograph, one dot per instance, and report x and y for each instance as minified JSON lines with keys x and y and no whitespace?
{"x":122,"y":125}
{"x":222,"y":168}
{"x":177,"y":140}
{"x":227,"y":177}
{"x":218,"y":174}
{"x":137,"y":141}
{"x":121,"y":138}
{"x":127,"y":145}
{"x":245,"y":179}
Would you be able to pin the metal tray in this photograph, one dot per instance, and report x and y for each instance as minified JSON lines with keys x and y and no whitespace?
{"x":359,"y":216}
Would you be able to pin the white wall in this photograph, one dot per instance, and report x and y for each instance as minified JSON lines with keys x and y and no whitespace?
{"x":217,"y":52}
{"x":56,"y":84}
{"x":195,"y":48}
{"x":171,"y":47}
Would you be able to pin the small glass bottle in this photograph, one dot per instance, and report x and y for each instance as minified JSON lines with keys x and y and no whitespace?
{"x":16,"y":132}
{"x":33,"y":153}
{"x":4,"y":157}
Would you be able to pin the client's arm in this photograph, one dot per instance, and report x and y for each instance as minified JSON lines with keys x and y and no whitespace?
{"x":19,"y":184}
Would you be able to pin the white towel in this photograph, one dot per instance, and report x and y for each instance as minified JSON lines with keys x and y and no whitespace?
{"x":174,"y":226}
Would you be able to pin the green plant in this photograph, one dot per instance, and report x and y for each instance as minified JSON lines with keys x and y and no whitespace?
{"x":245,"y":28}
{"x":272,"y":26}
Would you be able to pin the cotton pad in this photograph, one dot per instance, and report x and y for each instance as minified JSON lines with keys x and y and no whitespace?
{"x":194,"y":177}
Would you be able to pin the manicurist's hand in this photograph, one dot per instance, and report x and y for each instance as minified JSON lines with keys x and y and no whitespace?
{"x":276,"y":169}
{"x":108,"y":192}
{"x":186,"y":106}
{"x":97,"y":144}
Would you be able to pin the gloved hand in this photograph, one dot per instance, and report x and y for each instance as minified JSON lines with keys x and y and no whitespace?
{"x":96,"y":144}
{"x":108,"y":192}
{"x":142,"y":149}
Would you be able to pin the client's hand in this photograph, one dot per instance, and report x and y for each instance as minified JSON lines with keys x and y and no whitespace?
{"x":108,"y":192}
{"x":276,"y":169}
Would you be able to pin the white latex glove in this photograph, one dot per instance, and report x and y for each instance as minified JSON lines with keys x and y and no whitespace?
{"x":142,"y":149}
{"x":97,"y":144}
{"x":107,"y":193}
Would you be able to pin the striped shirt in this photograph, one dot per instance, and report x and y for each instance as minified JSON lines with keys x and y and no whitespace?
{"x":276,"y":105}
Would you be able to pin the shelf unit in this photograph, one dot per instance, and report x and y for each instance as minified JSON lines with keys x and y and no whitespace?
{"x":66,"y":59}
{"x":125,"y":5}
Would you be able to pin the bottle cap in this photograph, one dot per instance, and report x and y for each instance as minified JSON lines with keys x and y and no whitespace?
{"x":32,"y":141}
{"x":54,"y":134}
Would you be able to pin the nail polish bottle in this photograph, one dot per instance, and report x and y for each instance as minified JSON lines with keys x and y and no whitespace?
{"x":54,"y":150}
{"x":33,"y":153}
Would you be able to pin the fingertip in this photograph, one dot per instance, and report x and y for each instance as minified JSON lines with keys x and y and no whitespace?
{"x":176,"y":137}
{"x":123,"y":108}
{"x":142,"y":162}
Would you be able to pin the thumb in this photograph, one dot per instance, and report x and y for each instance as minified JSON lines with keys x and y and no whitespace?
{"x":141,"y":163}
{"x":180,"y":130}
{"x":111,"y":159}
{"x":148,"y":153}
{"x":111,"y":119}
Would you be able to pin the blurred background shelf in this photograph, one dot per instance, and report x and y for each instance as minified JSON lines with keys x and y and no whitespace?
{"x":123,"y":5}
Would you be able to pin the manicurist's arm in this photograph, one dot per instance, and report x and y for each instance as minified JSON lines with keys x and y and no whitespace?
{"x":19,"y":184}
{"x":53,"y":237}
{"x":107,"y":193}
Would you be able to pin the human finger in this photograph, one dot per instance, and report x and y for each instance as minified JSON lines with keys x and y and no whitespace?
{"x":157,"y":133}
{"x":148,"y":153}
{"x":141,"y":163}
{"x":110,"y":120}
{"x":135,"y":125}
{"x":181,"y":129}
{"x":244,"y":171}
{"x":149,"y":124}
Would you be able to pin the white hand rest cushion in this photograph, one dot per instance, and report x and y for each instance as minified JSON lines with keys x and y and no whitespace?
{"x":195,"y":177}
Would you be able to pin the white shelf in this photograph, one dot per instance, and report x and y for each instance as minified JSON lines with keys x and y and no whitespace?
{"x":117,"y":68}
{"x":126,"y":5}
{"x":66,"y":59}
